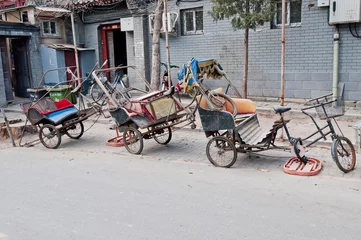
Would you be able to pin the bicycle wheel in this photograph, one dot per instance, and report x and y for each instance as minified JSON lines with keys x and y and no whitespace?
{"x":133,"y":140}
{"x":50,"y":136}
{"x":125,"y":89}
{"x":221,"y":152}
{"x":75,"y":131}
{"x":98,"y":95}
{"x":219,"y":101}
{"x":343,"y":153}
{"x":163,"y":136}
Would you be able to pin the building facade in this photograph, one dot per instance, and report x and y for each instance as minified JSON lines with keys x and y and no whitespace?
{"x":309,"y":50}
{"x":309,"y":47}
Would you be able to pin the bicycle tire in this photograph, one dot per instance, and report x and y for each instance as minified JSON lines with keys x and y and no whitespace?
{"x":53,"y":132}
{"x":97,"y":94}
{"x":133,"y":140}
{"x":338,"y":150}
{"x":164,"y":136}
{"x":222,"y":95}
{"x":223,"y":145}
{"x":75,"y":135}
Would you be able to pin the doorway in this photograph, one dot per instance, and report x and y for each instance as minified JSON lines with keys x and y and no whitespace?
{"x":19,"y":65}
{"x":114,"y":47}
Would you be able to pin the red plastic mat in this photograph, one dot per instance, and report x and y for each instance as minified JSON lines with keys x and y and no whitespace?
{"x":296,"y":167}
{"x":115,"y":142}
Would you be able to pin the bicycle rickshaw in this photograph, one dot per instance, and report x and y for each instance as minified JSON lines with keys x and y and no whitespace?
{"x":144,"y":115}
{"x":237,"y":130}
{"x":59,"y":117}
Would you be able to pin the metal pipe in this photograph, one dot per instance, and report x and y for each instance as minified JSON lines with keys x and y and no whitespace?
{"x":75,"y":47}
{"x":283,"y":52}
{"x":167,"y":42}
{"x":336,"y":43}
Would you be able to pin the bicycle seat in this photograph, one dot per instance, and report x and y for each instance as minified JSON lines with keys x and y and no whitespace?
{"x":170,"y":91}
{"x":281,"y":109}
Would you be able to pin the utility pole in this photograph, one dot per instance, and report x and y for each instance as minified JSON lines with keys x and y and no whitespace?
{"x":283,"y":41}
{"x":167,"y":42}
{"x":75,"y":48}
{"x":283,"y":52}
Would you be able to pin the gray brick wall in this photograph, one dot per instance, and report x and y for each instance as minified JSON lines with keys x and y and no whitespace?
{"x":309,"y":54}
{"x":309,"y":51}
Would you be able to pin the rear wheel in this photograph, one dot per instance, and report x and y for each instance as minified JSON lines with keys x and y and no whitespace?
{"x":133,"y":140}
{"x":343,"y":153}
{"x":75,"y":131}
{"x":50,"y":136}
{"x":163,"y":136}
{"x":221,"y":152}
{"x":97,"y":94}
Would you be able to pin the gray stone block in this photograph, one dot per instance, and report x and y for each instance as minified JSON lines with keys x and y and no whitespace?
{"x":320,"y":76}
{"x":354,"y":77}
{"x":302,"y":93}
{"x":302,"y":76}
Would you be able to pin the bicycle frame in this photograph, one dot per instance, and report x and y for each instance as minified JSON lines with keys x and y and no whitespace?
{"x":319,"y":130}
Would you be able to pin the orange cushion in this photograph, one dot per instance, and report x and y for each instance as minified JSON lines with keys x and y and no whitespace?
{"x":243,"y":105}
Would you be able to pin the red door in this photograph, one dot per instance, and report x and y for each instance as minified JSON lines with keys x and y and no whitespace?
{"x":70,"y":62}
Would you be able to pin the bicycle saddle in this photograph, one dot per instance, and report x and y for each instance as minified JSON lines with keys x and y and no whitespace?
{"x":281,"y":109}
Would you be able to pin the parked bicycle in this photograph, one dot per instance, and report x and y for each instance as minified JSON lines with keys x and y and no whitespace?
{"x":98,"y":94}
{"x":233,"y":131}
{"x":165,"y":84}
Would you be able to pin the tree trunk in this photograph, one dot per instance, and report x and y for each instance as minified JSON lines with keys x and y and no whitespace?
{"x":155,"y":80}
{"x":245,"y":63}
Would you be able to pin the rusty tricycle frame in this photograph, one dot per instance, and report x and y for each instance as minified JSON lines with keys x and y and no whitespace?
{"x":150,"y":115}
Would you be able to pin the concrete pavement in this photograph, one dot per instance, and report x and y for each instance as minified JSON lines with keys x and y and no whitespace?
{"x":70,"y":194}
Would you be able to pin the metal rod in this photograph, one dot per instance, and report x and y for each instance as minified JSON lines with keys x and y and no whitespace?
{"x":283,"y":52}
{"x":75,"y":47}
{"x":8,"y":127}
{"x":167,"y":43}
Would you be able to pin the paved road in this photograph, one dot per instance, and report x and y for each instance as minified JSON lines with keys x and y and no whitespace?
{"x":47,"y":194}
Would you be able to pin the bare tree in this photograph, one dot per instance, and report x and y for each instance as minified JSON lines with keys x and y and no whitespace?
{"x":155,"y":80}
{"x":245,"y":14}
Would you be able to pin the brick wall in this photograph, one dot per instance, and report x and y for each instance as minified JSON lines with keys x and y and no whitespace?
{"x":309,"y":51}
{"x":309,"y":54}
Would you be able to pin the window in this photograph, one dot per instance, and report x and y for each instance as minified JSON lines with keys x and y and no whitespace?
{"x":192,"y":21}
{"x":24,"y":17}
{"x":293,"y":13}
{"x":50,"y":28}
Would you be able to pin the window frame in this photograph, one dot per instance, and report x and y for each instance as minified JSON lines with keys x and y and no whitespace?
{"x":44,"y":34}
{"x":184,"y":21}
{"x":288,"y":16}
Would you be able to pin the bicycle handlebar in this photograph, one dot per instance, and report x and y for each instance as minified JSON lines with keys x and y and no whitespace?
{"x":171,"y":66}
{"x":314,"y":99}
{"x":318,"y":105}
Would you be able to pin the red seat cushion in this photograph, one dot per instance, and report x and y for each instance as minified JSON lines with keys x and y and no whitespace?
{"x":63,"y":103}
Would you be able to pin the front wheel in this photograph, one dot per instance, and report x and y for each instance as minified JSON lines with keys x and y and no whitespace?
{"x":133,"y":140}
{"x":221,"y":152}
{"x":343,"y":153}
{"x":50,"y":136}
